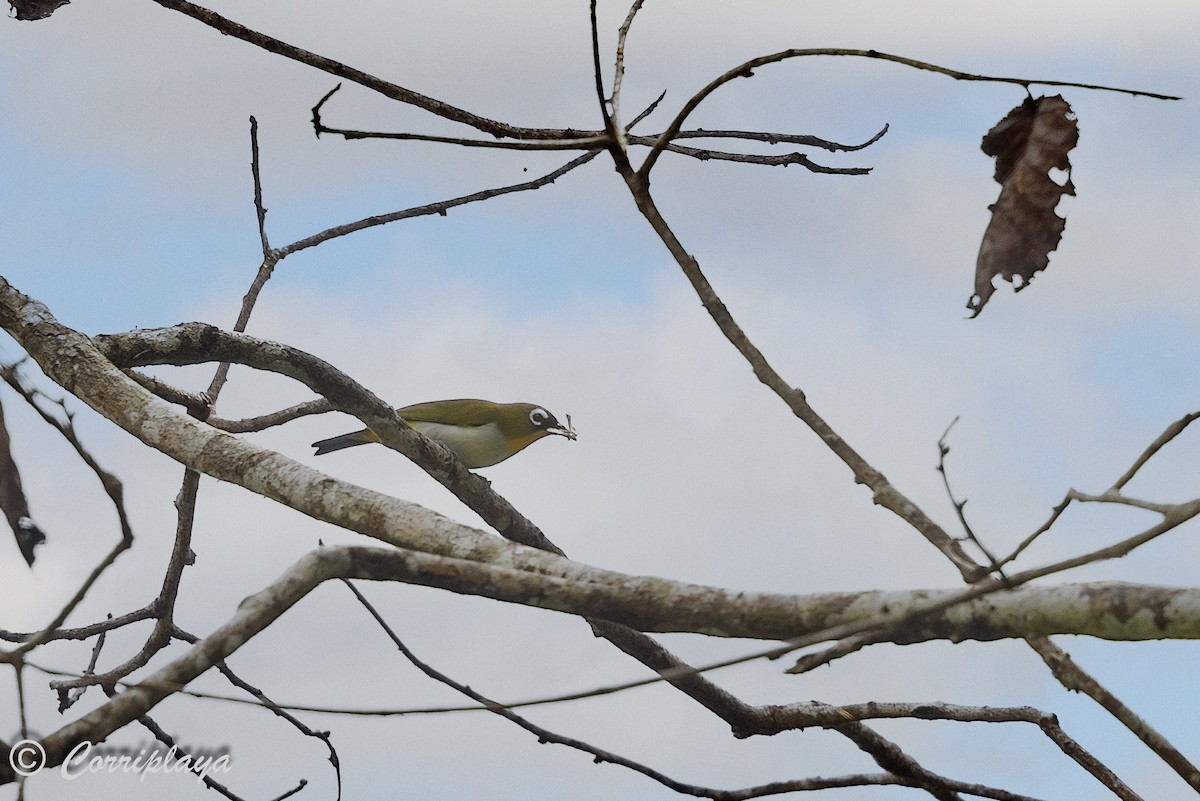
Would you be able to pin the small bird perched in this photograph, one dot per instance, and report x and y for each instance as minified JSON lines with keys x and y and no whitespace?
{"x":480,"y":433}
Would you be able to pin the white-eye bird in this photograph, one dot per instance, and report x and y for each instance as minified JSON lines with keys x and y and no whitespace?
{"x":480,"y":433}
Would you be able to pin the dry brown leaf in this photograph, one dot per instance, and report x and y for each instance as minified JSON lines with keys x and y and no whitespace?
{"x":1034,"y":138}
{"x":35,"y":9}
{"x":12,"y":500}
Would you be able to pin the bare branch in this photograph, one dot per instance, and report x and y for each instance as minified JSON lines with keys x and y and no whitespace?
{"x":197,"y":404}
{"x":1087,"y":761}
{"x":598,"y":76}
{"x":261,"y":210}
{"x":959,"y":506}
{"x":366,"y":80}
{"x":1172,"y":431}
{"x":265,"y":271}
{"x":591,"y":141}
{"x":772,"y":139}
{"x":262,"y":422}
{"x":1112,"y":496}
{"x":884,"y":493}
{"x":746,"y":70}
{"x":83,"y":632}
{"x":161,"y":735}
{"x":90,"y":670}
{"x":615,"y":129}
{"x":258,"y":611}
{"x":1042,"y":529}
{"x":440,"y":208}
{"x":162,"y":607}
{"x":601,"y":141}
{"x":755,"y":158}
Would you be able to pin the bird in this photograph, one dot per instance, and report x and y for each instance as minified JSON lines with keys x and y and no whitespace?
{"x":480,"y":433}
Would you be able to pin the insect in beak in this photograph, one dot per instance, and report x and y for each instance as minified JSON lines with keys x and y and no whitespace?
{"x":567,"y":431}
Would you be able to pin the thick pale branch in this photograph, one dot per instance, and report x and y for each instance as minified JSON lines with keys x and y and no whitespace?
{"x":1111,"y":610}
{"x":195,"y":343}
{"x":71,"y":359}
{"x":537,"y":577}
{"x":617,"y":598}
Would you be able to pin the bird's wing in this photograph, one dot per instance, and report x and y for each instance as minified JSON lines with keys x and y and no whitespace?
{"x":461,"y":412}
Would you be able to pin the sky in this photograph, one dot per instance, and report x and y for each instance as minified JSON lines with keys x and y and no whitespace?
{"x":126,"y":203}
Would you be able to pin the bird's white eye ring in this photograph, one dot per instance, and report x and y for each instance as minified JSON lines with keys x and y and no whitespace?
{"x":539,"y":417}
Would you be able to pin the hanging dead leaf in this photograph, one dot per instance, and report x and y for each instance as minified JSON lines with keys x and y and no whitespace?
{"x":35,"y":9}
{"x":1034,"y":138}
{"x":12,"y":500}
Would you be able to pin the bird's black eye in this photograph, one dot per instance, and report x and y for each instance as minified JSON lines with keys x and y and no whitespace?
{"x":539,"y":417}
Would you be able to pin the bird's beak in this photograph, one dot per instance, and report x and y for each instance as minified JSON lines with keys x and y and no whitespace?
{"x":565,"y":431}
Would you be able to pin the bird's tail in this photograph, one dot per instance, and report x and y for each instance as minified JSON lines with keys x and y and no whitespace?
{"x":345,"y":441}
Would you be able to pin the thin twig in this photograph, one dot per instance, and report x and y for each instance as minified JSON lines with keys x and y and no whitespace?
{"x":90,"y":670}
{"x":163,"y":606}
{"x":617,"y":130}
{"x":701,"y":154}
{"x":265,"y":421}
{"x":1112,"y":496}
{"x":1055,"y":513}
{"x":265,"y":270}
{"x":843,"y":647}
{"x":616,"y":142}
{"x":772,"y":139}
{"x":600,"y":141}
{"x":884,"y":493}
{"x":1087,"y":761}
{"x":389,"y":90}
{"x":588,"y":141}
{"x":758,"y":159}
{"x":161,"y":735}
{"x":1172,"y":431}
{"x":960,"y":506}
{"x":439,"y":208}
{"x":258,"y":198}
{"x":84,"y":632}
{"x":746,"y":70}
{"x":197,"y":404}
{"x":300,"y":786}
